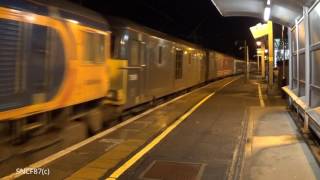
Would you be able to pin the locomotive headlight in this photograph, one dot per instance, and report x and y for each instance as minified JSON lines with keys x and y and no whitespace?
{"x":126,"y":37}
{"x":30,"y":17}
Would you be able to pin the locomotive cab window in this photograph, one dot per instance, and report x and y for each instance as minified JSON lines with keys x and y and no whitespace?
{"x":95,"y":48}
{"x":114,"y":46}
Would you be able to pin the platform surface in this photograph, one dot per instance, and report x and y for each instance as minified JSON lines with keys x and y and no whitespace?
{"x":275,"y":149}
{"x":206,"y":145}
{"x":208,"y":137}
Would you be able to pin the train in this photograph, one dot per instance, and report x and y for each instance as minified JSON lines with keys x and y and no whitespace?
{"x":60,"y":62}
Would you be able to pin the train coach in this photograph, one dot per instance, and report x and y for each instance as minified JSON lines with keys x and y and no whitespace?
{"x":60,"y":62}
{"x":146,"y":64}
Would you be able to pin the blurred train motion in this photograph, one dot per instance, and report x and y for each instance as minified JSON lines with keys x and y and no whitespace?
{"x":60,"y":62}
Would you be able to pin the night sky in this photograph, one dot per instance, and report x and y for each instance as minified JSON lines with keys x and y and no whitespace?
{"x":196,"y":21}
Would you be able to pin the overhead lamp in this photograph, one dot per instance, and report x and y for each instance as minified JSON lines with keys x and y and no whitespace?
{"x":259,"y":43}
{"x":268,"y":2}
{"x":267,"y":12}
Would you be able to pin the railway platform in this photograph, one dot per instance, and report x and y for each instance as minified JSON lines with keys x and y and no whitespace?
{"x":228,"y":129}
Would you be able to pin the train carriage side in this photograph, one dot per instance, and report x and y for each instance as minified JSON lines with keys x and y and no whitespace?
{"x":228,"y":65}
{"x":218,"y":63}
{"x":154,"y":64}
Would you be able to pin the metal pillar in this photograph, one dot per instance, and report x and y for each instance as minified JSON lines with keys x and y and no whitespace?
{"x":290,"y":58}
{"x":246,"y":51}
{"x":258,"y":62}
{"x":263,"y":62}
{"x":307,"y":66}
{"x":297,"y":58}
{"x":284,"y":54}
{"x":270,"y":46}
{"x":307,"y":56}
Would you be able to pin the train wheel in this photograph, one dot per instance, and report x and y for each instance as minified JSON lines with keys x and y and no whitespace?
{"x":94,"y":120}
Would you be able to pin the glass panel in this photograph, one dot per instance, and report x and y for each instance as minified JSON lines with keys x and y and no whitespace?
{"x":302,"y":67}
{"x":315,"y":97}
{"x":302,"y":91}
{"x":293,"y":39}
{"x":315,"y":68}
{"x":294,"y":66}
{"x":302,"y":38}
{"x":315,"y":25}
{"x":100,"y":48}
{"x":95,"y":47}
{"x":294,"y":83}
{"x":89,"y":54}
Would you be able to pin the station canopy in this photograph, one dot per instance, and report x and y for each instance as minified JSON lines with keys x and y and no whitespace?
{"x":282,"y":11}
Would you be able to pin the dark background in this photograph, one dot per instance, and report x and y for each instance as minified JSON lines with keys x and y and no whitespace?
{"x":197,"y":21}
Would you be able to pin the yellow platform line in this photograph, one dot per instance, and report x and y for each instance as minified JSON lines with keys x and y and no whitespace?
{"x":118,"y":172}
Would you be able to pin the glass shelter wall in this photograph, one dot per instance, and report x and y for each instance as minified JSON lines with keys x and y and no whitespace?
{"x":305,"y":57}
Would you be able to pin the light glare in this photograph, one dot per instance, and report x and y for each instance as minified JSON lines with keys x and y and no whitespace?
{"x":259,"y":43}
{"x":73,"y":21}
{"x":267,"y":12}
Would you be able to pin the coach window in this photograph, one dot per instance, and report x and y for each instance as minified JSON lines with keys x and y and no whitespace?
{"x":179,"y":58}
{"x":191,"y":55}
{"x":114,"y":46}
{"x":100,"y":48}
{"x":95,"y":48}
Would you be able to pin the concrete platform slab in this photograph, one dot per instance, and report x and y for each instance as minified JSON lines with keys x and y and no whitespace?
{"x":276,"y":150}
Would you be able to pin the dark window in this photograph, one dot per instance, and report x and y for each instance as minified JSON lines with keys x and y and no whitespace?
{"x":179,"y":58}
{"x":114,"y":53}
{"x":38,"y":56}
{"x":95,"y":47}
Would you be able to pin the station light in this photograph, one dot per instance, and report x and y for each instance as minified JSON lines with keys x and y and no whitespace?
{"x":267,"y":12}
{"x":126,"y":37}
{"x":259,"y":43}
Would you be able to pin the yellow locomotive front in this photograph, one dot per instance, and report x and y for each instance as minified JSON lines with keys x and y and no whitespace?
{"x":53,"y":66}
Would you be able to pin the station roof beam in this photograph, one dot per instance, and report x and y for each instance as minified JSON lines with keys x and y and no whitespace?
{"x":283,"y":12}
